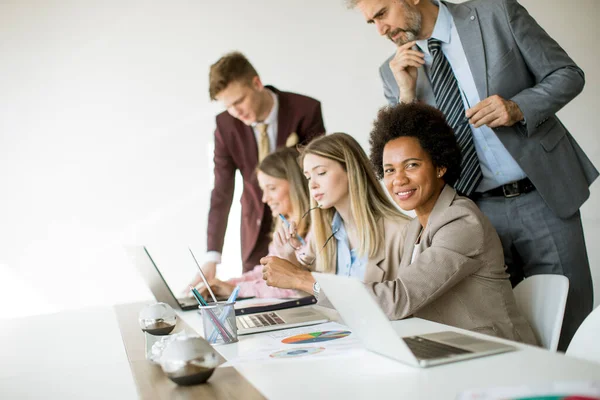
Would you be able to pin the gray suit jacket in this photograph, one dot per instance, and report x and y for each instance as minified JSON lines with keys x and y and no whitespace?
{"x":458,"y":278}
{"x":512,"y":56}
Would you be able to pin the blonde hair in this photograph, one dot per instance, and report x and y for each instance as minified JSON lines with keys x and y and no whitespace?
{"x":368,"y":201}
{"x":283,"y":164}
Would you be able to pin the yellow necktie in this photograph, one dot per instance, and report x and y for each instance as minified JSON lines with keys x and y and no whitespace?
{"x":264,"y":147}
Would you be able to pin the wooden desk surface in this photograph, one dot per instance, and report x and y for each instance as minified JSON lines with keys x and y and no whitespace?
{"x":152,"y":383}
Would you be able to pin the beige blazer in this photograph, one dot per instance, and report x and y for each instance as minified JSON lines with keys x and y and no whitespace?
{"x":458,"y":278}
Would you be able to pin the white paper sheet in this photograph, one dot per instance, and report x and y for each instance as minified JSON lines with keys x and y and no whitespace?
{"x":272,"y":349}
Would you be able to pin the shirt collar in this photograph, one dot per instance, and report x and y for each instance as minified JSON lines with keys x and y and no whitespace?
{"x":337,"y":226}
{"x":442,"y":28}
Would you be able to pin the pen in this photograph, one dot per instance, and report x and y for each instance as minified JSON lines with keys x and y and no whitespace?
{"x":198,"y":296}
{"x":203,"y":277}
{"x":233,"y":295}
{"x":287,"y":225}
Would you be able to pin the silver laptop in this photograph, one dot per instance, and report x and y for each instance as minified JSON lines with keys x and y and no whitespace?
{"x":365,"y":318}
{"x":155,"y":281}
{"x":247,"y":324}
{"x":280,"y":319}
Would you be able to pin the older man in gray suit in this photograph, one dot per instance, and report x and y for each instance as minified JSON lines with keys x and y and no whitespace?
{"x":500,"y":79}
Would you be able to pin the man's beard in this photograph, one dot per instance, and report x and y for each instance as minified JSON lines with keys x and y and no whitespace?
{"x":409,"y":36}
{"x":413,"y":30}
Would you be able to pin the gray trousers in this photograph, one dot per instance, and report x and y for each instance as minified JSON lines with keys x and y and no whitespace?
{"x":536,"y":241}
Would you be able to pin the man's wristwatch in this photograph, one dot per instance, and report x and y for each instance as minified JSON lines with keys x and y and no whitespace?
{"x":316,"y":289}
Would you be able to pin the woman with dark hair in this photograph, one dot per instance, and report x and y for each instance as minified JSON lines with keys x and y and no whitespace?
{"x":452,"y":266}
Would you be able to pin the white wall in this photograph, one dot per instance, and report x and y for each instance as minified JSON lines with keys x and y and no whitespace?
{"x":106,"y":126}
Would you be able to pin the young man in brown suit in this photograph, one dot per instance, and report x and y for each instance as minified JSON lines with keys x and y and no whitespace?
{"x":258,"y":119}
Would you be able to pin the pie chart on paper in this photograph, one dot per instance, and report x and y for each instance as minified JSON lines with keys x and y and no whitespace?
{"x":297,"y":352}
{"x":316,"y":337}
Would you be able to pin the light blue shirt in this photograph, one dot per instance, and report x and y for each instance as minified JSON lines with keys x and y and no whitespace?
{"x":348,"y":262}
{"x":497,"y":165}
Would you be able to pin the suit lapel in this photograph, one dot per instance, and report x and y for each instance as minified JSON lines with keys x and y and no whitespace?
{"x":374,"y":273}
{"x":284,"y":118}
{"x":250,"y":139}
{"x":469,"y":31}
{"x":412,"y":233}
{"x":443,"y":202}
{"x":446,"y":198}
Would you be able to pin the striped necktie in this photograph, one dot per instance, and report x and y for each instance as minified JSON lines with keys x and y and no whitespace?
{"x":264,"y":146}
{"x":447,"y":97}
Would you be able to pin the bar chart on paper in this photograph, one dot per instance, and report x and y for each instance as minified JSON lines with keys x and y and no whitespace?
{"x":315,"y":337}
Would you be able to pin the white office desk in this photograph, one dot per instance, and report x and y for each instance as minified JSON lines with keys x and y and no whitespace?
{"x":80,"y":354}
{"x":69,"y":355}
{"x":366,"y":375}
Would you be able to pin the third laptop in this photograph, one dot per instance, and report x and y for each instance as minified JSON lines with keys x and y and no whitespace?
{"x":366,"y":319}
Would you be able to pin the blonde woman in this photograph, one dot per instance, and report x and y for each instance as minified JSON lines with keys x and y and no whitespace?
{"x":355,"y":227}
{"x":285,"y":192}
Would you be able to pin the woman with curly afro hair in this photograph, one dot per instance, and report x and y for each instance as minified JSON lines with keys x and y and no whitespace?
{"x":452,"y":266}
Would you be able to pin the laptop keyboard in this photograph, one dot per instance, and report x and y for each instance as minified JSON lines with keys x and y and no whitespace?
{"x":260,"y":320}
{"x":425,"y":349}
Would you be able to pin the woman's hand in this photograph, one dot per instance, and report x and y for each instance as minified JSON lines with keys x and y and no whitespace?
{"x":220,"y":289}
{"x":285,"y":275}
{"x":286,"y":242}
{"x":209,"y":268}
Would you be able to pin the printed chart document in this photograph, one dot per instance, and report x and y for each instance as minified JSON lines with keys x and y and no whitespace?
{"x":308,"y":342}
{"x":576,"y":390}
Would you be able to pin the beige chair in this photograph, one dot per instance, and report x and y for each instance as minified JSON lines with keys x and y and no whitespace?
{"x":542,"y":299}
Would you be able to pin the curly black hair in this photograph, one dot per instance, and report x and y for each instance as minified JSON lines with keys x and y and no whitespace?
{"x":420,"y":121}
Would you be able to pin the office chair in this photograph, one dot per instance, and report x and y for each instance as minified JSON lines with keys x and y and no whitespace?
{"x":585,"y":344}
{"x":542,"y":299}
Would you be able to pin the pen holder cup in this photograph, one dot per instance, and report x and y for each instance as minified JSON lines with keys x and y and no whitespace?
{"x":218,"y":320}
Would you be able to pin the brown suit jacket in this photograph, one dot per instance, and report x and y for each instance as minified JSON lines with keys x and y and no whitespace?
{"x":458,"y":279}
{"x":236,"y":149}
